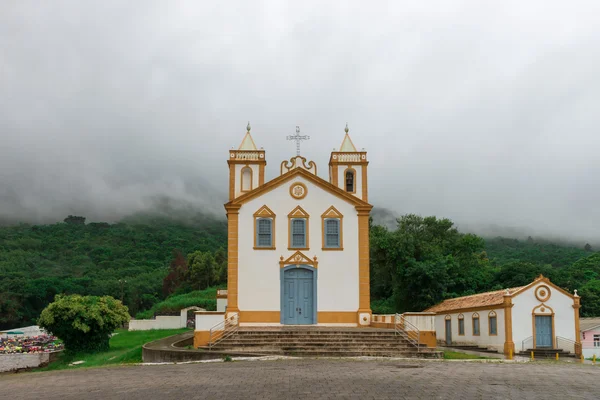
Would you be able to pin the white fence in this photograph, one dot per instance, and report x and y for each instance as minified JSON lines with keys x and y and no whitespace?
{"x":162,"y":321}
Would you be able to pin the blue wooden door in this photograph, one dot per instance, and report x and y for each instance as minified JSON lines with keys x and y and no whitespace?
{"x":448,"y":332}
{"x":298,"y":297}
{"x":543,"y":331}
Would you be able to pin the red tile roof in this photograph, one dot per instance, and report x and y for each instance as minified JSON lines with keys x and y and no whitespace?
{"x":475,"y":300}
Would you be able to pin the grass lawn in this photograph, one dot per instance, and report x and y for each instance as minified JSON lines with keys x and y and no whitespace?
{"x":455,"y":355}
{"x":125,"y":348}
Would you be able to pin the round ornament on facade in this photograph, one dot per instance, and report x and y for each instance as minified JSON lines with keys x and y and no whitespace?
{"x":298,"y":190}
{"x":542,"y":293}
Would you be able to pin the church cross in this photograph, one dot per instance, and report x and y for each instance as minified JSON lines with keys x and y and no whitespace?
{"x":298,"y":138}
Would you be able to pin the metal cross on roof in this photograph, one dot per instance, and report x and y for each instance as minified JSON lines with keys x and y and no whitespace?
{"x":298,"y":138}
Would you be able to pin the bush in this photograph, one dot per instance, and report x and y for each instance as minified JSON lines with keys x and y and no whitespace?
{"x":206,"y":299}
{"x":84,"y":323}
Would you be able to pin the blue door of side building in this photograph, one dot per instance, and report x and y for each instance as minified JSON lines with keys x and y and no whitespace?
{"x":543,"y":331}
{"x":298,"y":297}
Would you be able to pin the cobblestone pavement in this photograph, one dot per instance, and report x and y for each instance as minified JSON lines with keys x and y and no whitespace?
{"x":312,"y":379}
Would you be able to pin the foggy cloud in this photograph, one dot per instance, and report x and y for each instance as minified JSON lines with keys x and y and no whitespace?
{"x":483,"y":113}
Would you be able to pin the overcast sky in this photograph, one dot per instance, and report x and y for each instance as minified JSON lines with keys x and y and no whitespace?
{"x":483,"y":112}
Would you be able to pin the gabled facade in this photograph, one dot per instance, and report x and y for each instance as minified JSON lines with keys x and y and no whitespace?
{"x":298,"y":245}
{"x":540,"y":315}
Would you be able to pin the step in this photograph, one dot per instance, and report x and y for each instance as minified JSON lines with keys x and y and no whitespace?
{"x":327,"y":353}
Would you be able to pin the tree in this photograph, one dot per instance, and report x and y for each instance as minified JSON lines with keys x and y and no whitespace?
{"x":178,"y":273}
{"x":590,"y":299}
{"x":201,"y":269}
{"x":75,"y":220}
{"x":84,"y":323}
{"x":587,"y":247}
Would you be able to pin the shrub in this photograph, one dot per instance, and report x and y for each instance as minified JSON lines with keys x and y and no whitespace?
{"x":206,"y":299}
{"x":84,"y":323}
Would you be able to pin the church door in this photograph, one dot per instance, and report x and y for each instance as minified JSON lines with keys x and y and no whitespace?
{"x":543,"y":331}
{"x":298,"y":297}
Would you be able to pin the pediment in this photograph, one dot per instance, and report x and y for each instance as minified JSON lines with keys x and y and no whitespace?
{"x":264,"y":211}
{"x":298,"y":212}
{"x":332,"y":212}
{"x":298,"y":258}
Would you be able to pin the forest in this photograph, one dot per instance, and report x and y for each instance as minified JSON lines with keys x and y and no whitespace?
{"x":156,"y":264}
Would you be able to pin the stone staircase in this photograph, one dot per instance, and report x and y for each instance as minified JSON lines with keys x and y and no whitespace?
{"x":473,"y":348}
{"x":546,"y":353}
{"x":323,"y":342}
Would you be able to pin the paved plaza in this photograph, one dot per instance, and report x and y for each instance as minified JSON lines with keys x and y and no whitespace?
{"x":312,"y":379}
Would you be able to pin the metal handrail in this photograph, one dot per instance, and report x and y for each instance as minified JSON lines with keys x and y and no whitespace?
{"x":399,"y":328}
{"x":569,"y":341}
{"x":223,"y":330}
{"x":523,"y":342}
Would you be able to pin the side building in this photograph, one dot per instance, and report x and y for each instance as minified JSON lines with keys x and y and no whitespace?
{"x":540,"y":315}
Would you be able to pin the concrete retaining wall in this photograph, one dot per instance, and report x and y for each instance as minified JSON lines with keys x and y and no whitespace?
{"x":162,"y":321}
{"x":15,"y":362}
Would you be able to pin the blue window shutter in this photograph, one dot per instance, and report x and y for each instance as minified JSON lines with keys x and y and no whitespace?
{"x":298,"y":232}
{"x":332,"y":233}
{"x":264,"y":232}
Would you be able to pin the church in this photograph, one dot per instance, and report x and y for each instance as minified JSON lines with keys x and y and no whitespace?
{"x":298,"y":245}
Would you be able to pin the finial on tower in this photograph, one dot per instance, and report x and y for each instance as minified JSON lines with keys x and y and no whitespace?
{"x":248,"y":127}
{"x":346,"y":128}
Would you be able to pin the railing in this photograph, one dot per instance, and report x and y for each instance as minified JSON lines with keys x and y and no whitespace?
{"x":566,"y":344}
{"x":407,"y":329}
{"x":527,"y":343}
{"x":348,"y":157}
{"x":222,"y":330}
{"x":246,"y":155}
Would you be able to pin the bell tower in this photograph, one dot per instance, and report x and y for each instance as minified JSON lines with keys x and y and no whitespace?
{"x":246,"y":167}
{"x":348,"y":169}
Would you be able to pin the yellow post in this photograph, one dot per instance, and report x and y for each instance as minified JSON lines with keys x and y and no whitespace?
{"x":582,"y":359}
{"x":556,"y":356}
{"x":594,"y":360}
{"x":532,"y":357}
{"x":510,"y":355}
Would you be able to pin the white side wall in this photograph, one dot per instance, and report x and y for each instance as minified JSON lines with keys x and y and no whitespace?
{"x":524,"y":303}
{"x":423,"y":322}
{"x":161,"y":322}
{"x":357,"y":178}
{"x":259,"y":270}
{"x":14,"y":362}
{"x":221,"y":304}
{"x":238,"y":177}
{"x":206,"y":321}
{"x":484,"y":339}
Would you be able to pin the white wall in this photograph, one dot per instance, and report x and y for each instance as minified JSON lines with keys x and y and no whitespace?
{"x":161,"y":322}
{"x":207,"y":320}
{"x":14,"y":362}
{"x":221,"y":304}
{"x":524,"y":303}
{"x":357,"y":178}
{"x":422,"y":321}
{"x":483,"y":340}
{"x":259,"y":271}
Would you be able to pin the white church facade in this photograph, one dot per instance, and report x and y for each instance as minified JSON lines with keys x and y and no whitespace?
{"x":298,"y":245}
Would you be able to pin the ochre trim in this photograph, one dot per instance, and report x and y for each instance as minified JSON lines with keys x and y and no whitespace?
{"x":332,"y":212}
{"x":201,"y":338}
{"x":336,"y":317}
{"x":576,"y":307}
{"x":303,"y":195}
{"x":308,"y":176}
{"x":299,"y":213}
{"x":350,"y":169}
{"x":298,"y":258}
{"x":232,"y":260}
{"x":231,"y":181}
{"x":334,"y":175}
{"x":509,"y":345}
{"x":365,"y":192}
{"x":264,"y":212}
{"x":542,"y":278}
{"x":293,"y":164}
{"x":210,"y":313}
{"x":260,"y":316}
{"x":542,"y":293}
{"x":247,"y":167}
{"x":261,"y":174}
{"x":470,"y":309}
{"x":364,"y":294}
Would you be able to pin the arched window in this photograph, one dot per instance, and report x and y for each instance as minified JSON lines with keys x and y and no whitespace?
{"x":246,"y":179}
{"x":475,"y":324}
{"x":350,"y":182}
{"x":461,"y":325}
{"x":493,"y":323}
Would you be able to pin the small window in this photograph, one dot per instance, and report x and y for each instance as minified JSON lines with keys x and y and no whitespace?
{"x":350,"y":181}
{"x":298,"y":233}
{"x":461,"y":327}
{"x":264,"y":232}
{"x":493,"y":326}
{"x":246,"y":179}
{"x":332,"y":233}
{"x":596,"y":340}
{"x":476,"y":325}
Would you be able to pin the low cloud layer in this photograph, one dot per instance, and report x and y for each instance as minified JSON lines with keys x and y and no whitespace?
{"x":486,"y":114}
